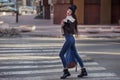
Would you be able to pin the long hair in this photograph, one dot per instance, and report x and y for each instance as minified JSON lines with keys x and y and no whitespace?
{"x":76,"y":24}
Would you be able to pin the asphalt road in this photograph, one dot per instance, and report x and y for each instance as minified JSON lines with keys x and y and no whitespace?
{"x":110,"y":61}
{"x":36,"y":58}
{"x":105,"y":52}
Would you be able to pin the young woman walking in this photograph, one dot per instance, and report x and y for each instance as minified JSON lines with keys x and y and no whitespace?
{"x":69,"y":28}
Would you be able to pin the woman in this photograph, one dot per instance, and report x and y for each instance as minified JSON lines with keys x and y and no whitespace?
{"x":69,"y":28}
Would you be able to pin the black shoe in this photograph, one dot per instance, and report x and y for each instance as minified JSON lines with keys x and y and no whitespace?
{"x":66,"y":74}
{"x":83,"y":73}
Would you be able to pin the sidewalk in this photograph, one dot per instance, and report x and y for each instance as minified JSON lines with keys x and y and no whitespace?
{"x":47,"y":28}
{"x":36,"y":58}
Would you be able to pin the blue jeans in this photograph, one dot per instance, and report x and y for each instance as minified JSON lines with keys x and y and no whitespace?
{"x":70,"y":44}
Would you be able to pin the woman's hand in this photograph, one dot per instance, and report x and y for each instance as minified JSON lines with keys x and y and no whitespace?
{"x":62,"y":22}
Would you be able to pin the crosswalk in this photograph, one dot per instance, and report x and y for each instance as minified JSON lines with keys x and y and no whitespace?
{"x":37,"y":59}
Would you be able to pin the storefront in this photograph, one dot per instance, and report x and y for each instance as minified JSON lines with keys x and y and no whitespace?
{"x":89,"y":11}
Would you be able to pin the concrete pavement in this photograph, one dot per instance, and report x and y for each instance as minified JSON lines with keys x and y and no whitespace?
{"x":37,"y":59}
{"x":47,"y":28}
{"x":32,"y":57}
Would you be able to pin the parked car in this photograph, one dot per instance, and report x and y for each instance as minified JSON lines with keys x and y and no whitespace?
{"x":27,"y":10}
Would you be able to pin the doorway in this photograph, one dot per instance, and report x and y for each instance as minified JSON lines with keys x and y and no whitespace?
{"x":92,"y":12}
{"x":115,"y":11}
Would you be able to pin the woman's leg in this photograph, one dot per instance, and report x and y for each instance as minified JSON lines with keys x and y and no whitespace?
{"x":76,"y":55}
{"x":65,"y":47}
{"x":79,"y":60}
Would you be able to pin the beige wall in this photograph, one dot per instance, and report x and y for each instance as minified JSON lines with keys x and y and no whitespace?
{"x":105,"y":12}
{"x":24,"y":2}
{"x":80,"y":10}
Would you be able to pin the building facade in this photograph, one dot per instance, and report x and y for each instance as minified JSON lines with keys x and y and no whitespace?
{"x":89,"y":11}
{"x":24,"y":2}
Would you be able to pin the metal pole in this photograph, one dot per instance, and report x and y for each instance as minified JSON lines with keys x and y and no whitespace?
{"x":17,"y":12}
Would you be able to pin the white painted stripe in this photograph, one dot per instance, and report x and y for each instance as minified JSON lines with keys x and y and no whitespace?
{"x":45,"y":62}
{"x":28,"y":50}
{"x":31,"y":72}
{"x":34,"y":66}
{"x":47,"y":38}
{"x":90,"y":63}
{"x":99,"y":74}
{"x":102,"y":75}
{"x":35,"y":38}
{"x":30,"y":62}
{"x":55,"y":70}
{"x":49,"y":50}
{"x":28,"y":57}
{"x":42,"y":45}
{"x":25,"y":48}
{"x":91,"y":52}
{"x":31,"y":45}
{"x":95,"y":68}
{"x":23,"y":45}
{"x":105,"y":78}
{"x":50,"y":66}
{"x":47,"y":54}
{"x":29,"y":54}
{"x":91,"y":76}
{"x":43,"y":49}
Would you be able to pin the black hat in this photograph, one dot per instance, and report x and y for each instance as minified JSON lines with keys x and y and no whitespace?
{"x":73,"y":8}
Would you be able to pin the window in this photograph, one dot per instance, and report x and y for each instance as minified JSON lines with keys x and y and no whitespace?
{"x":29,"y":2}
{"x":92,"y":1}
